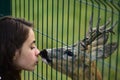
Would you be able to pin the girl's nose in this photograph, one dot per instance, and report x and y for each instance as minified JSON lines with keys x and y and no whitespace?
{"x":37,"y":51}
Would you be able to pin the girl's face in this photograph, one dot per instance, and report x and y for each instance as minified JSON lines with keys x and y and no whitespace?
{"x":27,"y":57}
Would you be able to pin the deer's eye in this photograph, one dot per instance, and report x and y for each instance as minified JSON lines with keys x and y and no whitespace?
{"x":69,"y":53}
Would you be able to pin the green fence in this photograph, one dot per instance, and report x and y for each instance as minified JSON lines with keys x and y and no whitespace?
{"x":60,"y":23}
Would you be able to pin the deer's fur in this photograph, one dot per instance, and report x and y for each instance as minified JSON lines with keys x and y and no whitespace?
{"x":78,"y":61}
{"x":89,"y":72}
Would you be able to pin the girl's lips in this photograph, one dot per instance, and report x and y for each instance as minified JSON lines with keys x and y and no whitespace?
{"x":36,"y":62}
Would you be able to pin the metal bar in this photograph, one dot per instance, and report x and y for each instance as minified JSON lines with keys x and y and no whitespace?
{"x":92,"y":13}
{"x":68,"y":12}
{"x":43,"y":32}
{"x":19,"y":8}
{"x":52,"y":33}
{"x":73,"y":36}
{"x":62,"y":35}
{"x":24,"y":16}
{"x":47,"y":37}
{"x":57,"y":37}
{"x":79,"y":32}
{"x":85,"y":28}
{"x":38,"y":12}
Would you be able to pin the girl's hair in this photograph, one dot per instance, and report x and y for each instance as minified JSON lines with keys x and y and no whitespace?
{"x":13,"y":33}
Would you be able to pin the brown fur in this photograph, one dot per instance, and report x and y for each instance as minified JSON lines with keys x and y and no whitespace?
{"x":78,"y":73}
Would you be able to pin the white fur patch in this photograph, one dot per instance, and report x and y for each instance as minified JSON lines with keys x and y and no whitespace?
{"x":44,"y":60}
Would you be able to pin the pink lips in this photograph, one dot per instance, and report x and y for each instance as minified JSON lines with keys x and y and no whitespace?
{"x":36,"y":62}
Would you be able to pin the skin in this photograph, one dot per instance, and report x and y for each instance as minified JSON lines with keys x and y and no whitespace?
{"x":27,"y":57}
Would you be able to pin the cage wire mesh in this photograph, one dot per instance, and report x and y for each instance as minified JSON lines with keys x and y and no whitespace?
{"x":60,"y":25}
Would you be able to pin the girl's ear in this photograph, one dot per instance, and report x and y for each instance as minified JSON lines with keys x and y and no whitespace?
{"x":17,"y":53}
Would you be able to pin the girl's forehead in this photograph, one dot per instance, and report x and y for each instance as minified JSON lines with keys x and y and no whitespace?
{"x":31,"y":37}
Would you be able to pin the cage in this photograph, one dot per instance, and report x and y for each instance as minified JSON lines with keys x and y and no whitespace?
{"x":63,"y":23}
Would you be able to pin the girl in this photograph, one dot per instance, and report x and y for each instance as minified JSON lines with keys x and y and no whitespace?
{"x":17,"y":48}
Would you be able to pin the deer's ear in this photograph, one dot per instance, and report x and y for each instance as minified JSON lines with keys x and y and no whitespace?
{"x":103,"y":51}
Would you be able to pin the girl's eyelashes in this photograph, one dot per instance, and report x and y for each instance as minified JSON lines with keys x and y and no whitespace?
{"x":33,"y":47}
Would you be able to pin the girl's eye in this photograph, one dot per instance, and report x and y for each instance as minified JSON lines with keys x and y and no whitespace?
{"x":32,"y":47}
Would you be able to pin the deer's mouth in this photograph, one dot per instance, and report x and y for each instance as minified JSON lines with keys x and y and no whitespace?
{"x":45,"y":58}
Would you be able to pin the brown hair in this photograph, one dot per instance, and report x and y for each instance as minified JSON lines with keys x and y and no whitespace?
{"x":13,"y":33}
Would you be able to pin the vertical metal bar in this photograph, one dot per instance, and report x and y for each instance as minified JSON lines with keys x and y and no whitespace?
{"x":112,"y":15}
{"x":86,"y":7}
{"x":73,"y":32}
{"x":15,"y":8}
{"x":24,"y":8}
{"x":12,"y":8}
{"x":97,"y":26}
{"x":92,"y":13}
{"x":62,"y":33}
{"x":79,"y":32}
{"x":42,"y":35}
{"x":24,"y":17}
{"x":19,"y":8}
{"x":104,"y":41}
{"x":47,"y":38}
{"x":52,"y":34}
{"x":33,"y":20}
{"x":57,"y":38}
{"x":111,"y":40}
{"x":29,"y":9}
{"x":67,"y":36}
{"x":37,"y":35}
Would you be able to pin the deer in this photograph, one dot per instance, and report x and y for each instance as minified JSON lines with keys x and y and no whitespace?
{"x":78,"y":61}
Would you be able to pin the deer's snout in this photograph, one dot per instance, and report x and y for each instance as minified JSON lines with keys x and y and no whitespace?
{"x":44,"y":55}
